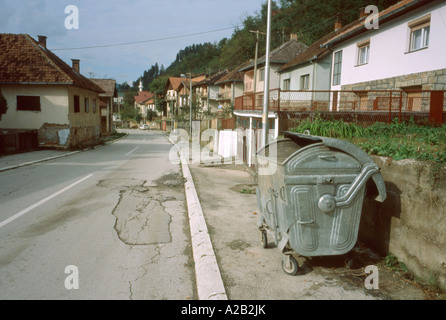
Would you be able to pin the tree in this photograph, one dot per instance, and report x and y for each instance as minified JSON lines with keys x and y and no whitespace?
{"x":158,"y":87}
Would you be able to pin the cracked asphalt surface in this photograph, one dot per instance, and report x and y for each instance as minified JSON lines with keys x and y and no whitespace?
{"x":117,"y":213}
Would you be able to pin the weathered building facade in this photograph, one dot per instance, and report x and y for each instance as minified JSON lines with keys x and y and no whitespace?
{"x":46,"y":95}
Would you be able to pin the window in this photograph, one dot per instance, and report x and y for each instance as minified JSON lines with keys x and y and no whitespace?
{"x":262,"y":74}
{"x":337,"y":67}
{"x":305,"y":82}
{"x":419,"y":33}
{"x":286,"y":84}
{"x":87,"y":105}
{"x":94,"y":105}
{"x":363,"y":52}
{"x":28,"y":103}
{"x":77,"y":107}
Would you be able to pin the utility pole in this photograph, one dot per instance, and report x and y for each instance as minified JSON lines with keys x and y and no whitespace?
{"x":257,"y":32}
{"x":265,"y":124}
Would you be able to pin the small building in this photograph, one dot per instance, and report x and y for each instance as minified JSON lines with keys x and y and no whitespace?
{"x":144,"y":101}
{"x":107,"y":103}
{"x":45,"y":95}
{"x":248,"y":107}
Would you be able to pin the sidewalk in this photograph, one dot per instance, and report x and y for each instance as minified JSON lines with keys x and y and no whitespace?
{"x":8,"y":162}
{"x":249,"y":272}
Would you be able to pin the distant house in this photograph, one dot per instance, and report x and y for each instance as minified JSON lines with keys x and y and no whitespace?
{"x":144,"y":101}
{"x":308,"y":72}
{"x":46,"y":95}
{"x":106,"y":103}
{"x":173,"y":88}
{"x":406,"y":52}
{"x":207,"y":91}
{"x":255,"y":83}
{"x":248,"y":107}
{"x":230,"y":86}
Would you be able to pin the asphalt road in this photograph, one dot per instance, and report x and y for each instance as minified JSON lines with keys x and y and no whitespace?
{"x":107,"y":223}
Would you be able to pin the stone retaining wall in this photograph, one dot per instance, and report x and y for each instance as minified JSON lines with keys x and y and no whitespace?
{"x":411,"y":223}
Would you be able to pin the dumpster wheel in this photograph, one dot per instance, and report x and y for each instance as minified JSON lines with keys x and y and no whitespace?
{"x":290,"y":265}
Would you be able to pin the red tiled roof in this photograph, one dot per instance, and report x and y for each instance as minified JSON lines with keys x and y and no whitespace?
{"x":385,"y":15}
{"x":24,"y":61}
{"x":143,"y":96}
{"x":174,"y":83}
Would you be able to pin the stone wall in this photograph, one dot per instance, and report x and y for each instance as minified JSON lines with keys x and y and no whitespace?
{"x":83,"y":137}
{"x":411,"y":223}
{"x":429,"y":80}
{"x":51,"y":134}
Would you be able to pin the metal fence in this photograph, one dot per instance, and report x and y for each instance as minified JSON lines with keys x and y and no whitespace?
{"x":351,"y":106}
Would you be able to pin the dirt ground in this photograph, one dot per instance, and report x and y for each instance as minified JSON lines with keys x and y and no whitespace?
{"x":227,"y":194}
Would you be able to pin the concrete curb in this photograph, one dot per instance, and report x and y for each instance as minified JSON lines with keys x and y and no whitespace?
{"x":24,"y":164}
{"x":208,"y":277}
{"x":37,"y":161}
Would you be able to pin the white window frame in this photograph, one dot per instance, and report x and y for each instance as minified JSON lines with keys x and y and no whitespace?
{"x":262,"y":75}
{"x":421,"y":28}
{"x":337,"y":68}
{"x":363,"y":52}
{"x":287,"y":84}
{"x":305,"y":82}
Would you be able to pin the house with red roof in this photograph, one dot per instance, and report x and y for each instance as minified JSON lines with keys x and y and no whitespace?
{"x":106,"y":103}
{"x":144,"y":101}
{"x":45,"y":94}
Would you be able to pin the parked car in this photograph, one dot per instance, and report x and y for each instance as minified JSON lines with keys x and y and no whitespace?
{"x":144,"y":127}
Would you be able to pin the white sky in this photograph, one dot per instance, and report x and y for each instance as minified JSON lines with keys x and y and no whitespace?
{"x":117,"y":21}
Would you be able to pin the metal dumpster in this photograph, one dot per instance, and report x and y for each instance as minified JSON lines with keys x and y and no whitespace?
{"x":310,"y":193}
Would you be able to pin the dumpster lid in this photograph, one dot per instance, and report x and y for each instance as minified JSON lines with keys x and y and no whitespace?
{"x":342,"y":145}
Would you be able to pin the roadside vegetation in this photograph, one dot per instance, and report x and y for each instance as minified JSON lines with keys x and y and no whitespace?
{"x":397,"y":140}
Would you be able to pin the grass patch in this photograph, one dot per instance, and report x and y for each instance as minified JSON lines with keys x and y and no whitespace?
{"x":397,"y":140}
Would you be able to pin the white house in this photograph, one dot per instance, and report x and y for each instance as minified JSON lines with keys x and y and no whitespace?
{"x":307,"y":73}
{"x":405,"y":52}
{"x":46,"y":95}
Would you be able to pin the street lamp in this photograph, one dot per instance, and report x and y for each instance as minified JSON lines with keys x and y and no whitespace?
{"x":190,"y":103}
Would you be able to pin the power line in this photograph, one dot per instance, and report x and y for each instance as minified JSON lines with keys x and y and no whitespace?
{"x":144,"y":41}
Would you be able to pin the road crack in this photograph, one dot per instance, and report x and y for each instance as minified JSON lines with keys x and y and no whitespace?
{"x":141,"y":218}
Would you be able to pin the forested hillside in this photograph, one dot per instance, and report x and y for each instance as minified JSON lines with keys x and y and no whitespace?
{"x":310,"y":20}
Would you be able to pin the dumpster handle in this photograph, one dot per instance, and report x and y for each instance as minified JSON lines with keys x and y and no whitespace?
{"x":305,"y":222}
{"x":327,"y":157}
{"x":368,"y":171}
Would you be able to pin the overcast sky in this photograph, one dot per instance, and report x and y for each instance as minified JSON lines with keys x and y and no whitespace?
{"x":170,"y":23}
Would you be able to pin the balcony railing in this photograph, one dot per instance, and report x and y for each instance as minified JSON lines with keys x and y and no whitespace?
{"x":379,"y":102}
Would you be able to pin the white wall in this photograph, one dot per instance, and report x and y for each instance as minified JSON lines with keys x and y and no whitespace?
{"x":54,"y":106}
{"x":389,"y":56}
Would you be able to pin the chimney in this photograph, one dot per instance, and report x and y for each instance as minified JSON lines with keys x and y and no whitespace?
{"x":362,"y":13}
{"x":338,"y":25}
{"x":76,"y":65}
{"x":293,"y":36}
{"x":42,"y":41}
